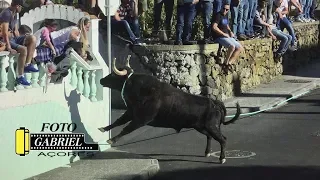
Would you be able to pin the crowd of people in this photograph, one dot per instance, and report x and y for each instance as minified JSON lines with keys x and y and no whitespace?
{"x":225,"y":21}
{"x":41,"y":46}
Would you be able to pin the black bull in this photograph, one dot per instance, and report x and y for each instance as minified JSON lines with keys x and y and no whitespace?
{"x":158,"y":104}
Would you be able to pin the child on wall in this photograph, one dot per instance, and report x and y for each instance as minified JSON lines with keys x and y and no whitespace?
{"x":43,"y":34}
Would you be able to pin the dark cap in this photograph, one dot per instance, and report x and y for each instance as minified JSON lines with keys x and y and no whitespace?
{"x":19,"y":2}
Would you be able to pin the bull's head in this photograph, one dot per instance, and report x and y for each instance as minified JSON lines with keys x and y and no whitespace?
{"x":116,"y":79}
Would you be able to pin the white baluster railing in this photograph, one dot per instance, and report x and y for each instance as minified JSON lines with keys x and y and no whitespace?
{"x":83,"y":76}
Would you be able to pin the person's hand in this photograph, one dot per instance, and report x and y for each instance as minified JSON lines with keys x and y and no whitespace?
{"x":54,"y":52}
{"x":12,"y":51}
{"x":2,"y":44}
{"x":226,"y":35}
{"x":195,"y":1}
{"x":231,"y":34}
{"x":274,"y":37}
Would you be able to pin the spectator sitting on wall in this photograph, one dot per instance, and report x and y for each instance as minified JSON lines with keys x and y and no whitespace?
{"x":43,"y":34}
{"x":281,"y":12}
{"x":275,"y":33}
{"x":25,"y":44}
{"x":223,"y":35}
{"x":126,"y":18}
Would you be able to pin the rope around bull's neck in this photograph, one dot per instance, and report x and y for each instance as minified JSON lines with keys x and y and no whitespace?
{"x":122,"y":90}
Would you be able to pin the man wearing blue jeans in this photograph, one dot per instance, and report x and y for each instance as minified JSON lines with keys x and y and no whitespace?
{"x":186,"y":10}
{"x":251,"y":13}
{"x":283,"y":21}
{"x":275,"y":33}
{"x":239,"y":14}
{"x":223,"y":35}
{"x":205,"y":6}
{"x":306,"y":11}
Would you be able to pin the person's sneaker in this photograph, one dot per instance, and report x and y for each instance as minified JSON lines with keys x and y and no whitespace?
{"x":23,"y":81}
{"x":242,"y":37}
{"x":178,"y":43}
{"x":30,"y":68}
{"x":299,"y":19}
{"x":305,"y":20}
{"x":312,"y":20}
{"x":188,"y":43}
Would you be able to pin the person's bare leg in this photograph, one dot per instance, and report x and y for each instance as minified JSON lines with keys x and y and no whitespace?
{"x":21,"y":59}
{"x":235,"y":55}
{"x":229,"y":53}
{"x":31,"y":46}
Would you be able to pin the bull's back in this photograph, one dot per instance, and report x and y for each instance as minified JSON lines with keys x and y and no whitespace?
{"x":180,"y":109}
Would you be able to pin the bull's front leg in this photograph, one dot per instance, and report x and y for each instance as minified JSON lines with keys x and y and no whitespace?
{"x":126,"y":117}
{"x":141,"y":116}
{"x":128,"y":129}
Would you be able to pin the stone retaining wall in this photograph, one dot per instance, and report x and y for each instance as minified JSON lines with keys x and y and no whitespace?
{"x":195,"y":68}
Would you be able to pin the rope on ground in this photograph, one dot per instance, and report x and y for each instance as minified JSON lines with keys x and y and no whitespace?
{"x":273,"y":107}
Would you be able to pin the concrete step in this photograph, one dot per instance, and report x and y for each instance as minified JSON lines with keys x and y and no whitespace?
{"x":111,"y":164}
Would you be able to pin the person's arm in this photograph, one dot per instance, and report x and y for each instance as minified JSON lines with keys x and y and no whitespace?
{"x":6,"y":16}
{"x":74,"y":35}
{"x":216,"y":29}
{"x":46,"y":35}
{"x":279,"y":12}
{"x":16,"y":30}
{"x":117,"y":15}
{"x":230,"y":32}
{"x":270,"y":32}
{"x":285,"y":11}
{"x":297,"y":5}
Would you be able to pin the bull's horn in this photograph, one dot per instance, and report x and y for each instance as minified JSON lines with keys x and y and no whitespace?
{"x":118,"y":72}
{"x":128,"y":61}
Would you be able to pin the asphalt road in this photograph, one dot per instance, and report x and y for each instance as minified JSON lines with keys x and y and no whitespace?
{"x":279,"y":144}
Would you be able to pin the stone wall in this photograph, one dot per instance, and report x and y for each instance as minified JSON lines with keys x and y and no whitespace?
{"x":308,"y":41}
{"x":195,"y":68}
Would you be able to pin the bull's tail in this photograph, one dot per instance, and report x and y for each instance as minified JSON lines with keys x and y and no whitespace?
{"x":236,"y":117}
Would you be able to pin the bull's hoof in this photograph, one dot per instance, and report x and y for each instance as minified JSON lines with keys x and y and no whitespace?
{"x":101,"y":129}
{"x":222,"y":161}
{"x":110,"y":141}
{"x":208,"y":154}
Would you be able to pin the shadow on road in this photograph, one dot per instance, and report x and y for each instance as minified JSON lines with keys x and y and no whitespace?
{"x":243,"y":173}
{"x":143,"y":140}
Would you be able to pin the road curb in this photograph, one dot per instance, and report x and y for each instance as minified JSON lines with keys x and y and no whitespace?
{"x":149,"y":172}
